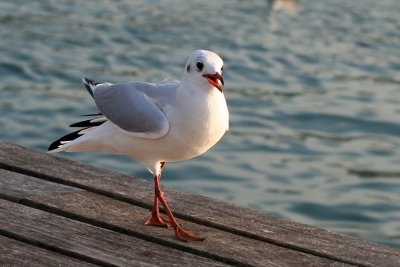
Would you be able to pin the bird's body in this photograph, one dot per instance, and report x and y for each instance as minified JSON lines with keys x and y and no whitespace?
{"x":156,"y":123}
{"x":184,"y":139}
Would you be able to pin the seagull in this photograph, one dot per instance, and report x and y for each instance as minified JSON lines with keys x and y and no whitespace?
{"x":156,"y":123}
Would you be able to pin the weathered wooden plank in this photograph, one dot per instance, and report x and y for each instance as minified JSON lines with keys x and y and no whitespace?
{"x":124,"y":217}
{"x":104,"y":247}
{"x":209,"y":212}
{"x":14,"y":253}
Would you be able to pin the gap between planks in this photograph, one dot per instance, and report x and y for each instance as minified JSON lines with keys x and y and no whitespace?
{"x":55,"y":249}
{"x":121,"y":230}
{"x":177,"y":214}
{"x":245,"y":220}
{"x":90,"y":205}
{"x":22,"y":254}
{"x":113,"y":249}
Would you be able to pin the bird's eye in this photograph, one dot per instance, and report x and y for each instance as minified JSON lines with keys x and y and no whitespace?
{"x":222,"y":68}
{"x":188,"y":68}
{"x":199,"y":65}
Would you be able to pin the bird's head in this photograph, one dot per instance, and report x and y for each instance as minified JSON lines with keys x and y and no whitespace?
{"x":204,"y":68}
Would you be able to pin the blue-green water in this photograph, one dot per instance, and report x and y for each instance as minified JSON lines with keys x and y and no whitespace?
{"x":313,"y":92}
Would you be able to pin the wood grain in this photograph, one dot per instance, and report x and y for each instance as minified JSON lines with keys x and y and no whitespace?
{"x":106,"y":247}
{"x":203,"y":210}
{"x":123,"y":217}
{"x":15,"y":253}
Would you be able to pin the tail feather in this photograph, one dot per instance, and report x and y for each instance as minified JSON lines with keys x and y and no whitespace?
{"x":87,"y":125}
{"x":90,"y":85}
{"x":65,"y":139}
{"x":91,"y":115}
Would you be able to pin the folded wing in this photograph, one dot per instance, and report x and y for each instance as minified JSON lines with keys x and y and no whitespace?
{"x":129,"y":107}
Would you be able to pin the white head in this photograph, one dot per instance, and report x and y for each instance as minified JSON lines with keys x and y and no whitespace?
{"x":204,"y":69}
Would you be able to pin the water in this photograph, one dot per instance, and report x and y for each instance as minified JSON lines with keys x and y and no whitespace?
{"x":313,"y":91}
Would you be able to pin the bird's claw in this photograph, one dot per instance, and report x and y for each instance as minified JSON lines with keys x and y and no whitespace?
{"x":156,"y":219}
{"x":184,"y":235}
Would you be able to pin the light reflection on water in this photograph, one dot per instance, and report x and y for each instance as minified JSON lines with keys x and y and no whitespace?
{"x":312,"y":91}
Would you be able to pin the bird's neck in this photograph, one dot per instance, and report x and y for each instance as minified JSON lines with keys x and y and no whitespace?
{"x":196,"y":90}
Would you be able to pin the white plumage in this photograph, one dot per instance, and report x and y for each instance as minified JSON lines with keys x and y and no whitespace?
{"x":156,"y":123}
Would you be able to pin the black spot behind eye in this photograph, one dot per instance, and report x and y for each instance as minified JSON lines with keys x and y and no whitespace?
{"x":199,"y":65}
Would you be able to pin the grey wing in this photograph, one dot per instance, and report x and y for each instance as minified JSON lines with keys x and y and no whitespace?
{"x":128,"y":107}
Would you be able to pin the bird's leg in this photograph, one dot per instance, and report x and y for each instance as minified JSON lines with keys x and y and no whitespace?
{"x":155,"y":218}
{"x":180,"y":233}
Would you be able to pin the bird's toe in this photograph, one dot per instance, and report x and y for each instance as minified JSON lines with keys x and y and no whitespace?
{"x":156,"y":219}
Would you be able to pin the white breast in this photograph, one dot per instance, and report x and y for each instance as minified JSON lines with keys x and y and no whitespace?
{"x":197,"y":123}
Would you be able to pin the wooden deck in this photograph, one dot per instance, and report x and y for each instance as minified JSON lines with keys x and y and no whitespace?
{"x":57,"y":212}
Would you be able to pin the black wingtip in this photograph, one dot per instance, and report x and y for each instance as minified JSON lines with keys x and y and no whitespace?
{"x":94,"y":114}
{"x":89,"y":123}
{"x":56,"y":144}
{"x":88,"y":83}
{"x":66,"y":138}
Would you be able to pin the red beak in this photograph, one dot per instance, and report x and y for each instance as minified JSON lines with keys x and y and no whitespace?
{"x":213,"y":80}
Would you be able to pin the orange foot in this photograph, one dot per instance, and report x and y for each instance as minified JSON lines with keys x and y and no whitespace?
{"x":157,"y":220}
{"x":184,"y":235}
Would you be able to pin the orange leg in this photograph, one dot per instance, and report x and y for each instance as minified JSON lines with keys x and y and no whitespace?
{"x":155,"y":218}
{"x":180,"y":233}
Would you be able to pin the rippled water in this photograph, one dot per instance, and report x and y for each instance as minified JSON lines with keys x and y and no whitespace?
{"x":313,"y":91}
